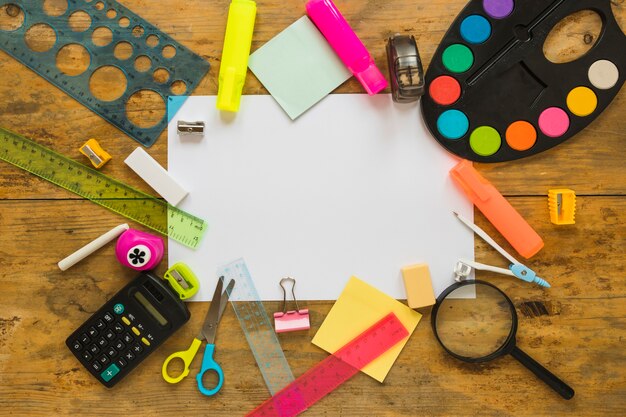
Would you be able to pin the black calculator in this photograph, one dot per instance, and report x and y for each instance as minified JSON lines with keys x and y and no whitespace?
{"x":129,"y":327}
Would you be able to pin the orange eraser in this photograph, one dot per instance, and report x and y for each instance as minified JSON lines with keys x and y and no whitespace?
{"x":497,"y":209}
{"x":418,"y":285}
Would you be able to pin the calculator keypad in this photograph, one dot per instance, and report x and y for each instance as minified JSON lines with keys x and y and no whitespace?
{"x":109,"y":345}
{"x":125,"y":330}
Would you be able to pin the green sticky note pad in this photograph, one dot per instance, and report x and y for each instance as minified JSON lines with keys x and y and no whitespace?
{"x":298,"y":67}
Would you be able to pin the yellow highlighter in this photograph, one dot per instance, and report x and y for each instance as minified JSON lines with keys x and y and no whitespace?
{"x":237,"y":41}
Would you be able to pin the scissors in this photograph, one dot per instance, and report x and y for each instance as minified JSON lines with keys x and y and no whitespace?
{"x":212,"y":319}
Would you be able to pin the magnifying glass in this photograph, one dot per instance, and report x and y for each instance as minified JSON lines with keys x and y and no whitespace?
{"x":483,"y":328}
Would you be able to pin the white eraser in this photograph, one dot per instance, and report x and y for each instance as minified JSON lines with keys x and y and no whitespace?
{"x":156,"y":176}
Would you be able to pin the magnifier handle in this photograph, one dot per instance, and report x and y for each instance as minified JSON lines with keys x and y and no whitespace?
{"x":546,"y":376}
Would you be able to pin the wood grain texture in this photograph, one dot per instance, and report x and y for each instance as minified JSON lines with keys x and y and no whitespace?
{"x":576,"y":329}
{"x":45,"y":113}
{"x":578,"y":332}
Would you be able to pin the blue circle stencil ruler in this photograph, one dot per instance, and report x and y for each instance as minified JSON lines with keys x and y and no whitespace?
{"x":257,"y":327}
{"x":111,"y":42}
{"x":93,"y":185}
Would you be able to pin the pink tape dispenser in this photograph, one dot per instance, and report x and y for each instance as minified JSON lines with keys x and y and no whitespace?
{"x":139,"y":250}
{"x":291,"y":321}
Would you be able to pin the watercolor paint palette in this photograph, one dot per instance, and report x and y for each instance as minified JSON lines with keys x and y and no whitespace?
{"x":492,"y":95}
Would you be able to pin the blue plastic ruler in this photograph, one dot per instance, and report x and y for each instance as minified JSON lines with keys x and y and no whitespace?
{"x":257,"y":327}
{"x":152,"y":62}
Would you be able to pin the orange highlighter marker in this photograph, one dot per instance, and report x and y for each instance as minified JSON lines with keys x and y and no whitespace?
{"x":497,"y":209}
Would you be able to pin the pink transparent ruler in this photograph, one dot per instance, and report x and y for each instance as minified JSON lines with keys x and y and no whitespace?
{"x":333,"y":371}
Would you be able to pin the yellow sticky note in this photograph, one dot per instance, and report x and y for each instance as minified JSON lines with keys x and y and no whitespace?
{"x":358,"y":308}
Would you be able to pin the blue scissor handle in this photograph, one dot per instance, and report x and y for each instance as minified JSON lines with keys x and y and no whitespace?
{"x":209,"y":364}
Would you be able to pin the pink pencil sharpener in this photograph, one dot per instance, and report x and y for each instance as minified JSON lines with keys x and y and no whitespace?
{"x":139,"y":250}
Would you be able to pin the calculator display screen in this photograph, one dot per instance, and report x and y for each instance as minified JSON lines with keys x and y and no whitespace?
{"x":150,"y":308}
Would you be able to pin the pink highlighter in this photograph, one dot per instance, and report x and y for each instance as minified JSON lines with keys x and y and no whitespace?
{"x":346,"y":44}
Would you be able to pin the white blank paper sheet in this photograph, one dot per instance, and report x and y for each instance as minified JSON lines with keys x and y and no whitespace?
{"x":356,"y":186}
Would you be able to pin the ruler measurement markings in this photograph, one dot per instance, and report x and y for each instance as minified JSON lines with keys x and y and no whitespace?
{"x":99,"y":188}
{"x":188,"y":66}
{"x":257,"y":329}
{"x":329,"y":374}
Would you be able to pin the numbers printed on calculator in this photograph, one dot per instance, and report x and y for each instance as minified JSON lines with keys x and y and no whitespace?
{"x":111,"y":343}
{"x":123,"y":332}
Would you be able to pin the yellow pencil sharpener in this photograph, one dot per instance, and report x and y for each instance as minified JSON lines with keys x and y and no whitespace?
{"x":562,"y":204}
{"x":182,"y":280}
{"x":92,"y":150}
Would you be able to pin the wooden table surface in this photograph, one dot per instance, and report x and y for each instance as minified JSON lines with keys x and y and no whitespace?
{"x":577,"y":328}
